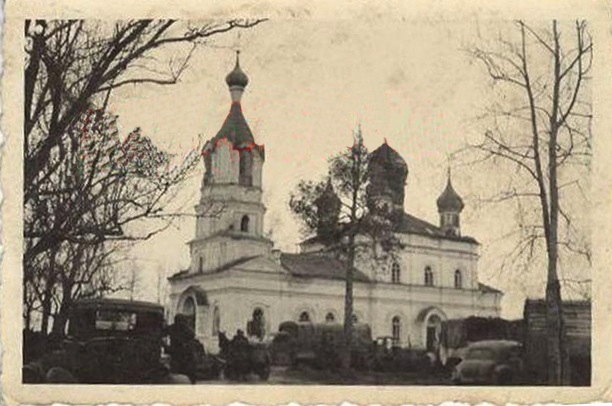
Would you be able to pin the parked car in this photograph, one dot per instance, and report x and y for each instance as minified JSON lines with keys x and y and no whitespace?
{"x":497,"y":362}
{"x":110,"y":341}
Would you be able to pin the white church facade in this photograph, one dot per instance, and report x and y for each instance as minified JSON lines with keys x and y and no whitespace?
{"x":237,"y":278}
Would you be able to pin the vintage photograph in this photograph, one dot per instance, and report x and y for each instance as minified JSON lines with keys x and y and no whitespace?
{"x":273,"y":201}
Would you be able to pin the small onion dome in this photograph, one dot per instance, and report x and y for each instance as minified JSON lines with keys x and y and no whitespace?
{"x":449,"y":200}
{"x":388,"y":158}
{"x":328,"y":198}
{"x":237,"y":77}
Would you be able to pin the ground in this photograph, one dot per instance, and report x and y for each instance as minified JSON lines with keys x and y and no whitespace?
{"x":305,"y":376}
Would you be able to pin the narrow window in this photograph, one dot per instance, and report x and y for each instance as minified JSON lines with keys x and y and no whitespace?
{"x":330,"y":318}
{"x":244,"y":224}
{"x":245,"y":168}
{"x":395,"y":273}
{"x":458,"y":281}
{"x":304,"y":316}
{"x":216,"y":327}
{"x":201,"y":264}
{"x":355,"y":318}
{"x":396,"y":330}
{"x":428,"y":276}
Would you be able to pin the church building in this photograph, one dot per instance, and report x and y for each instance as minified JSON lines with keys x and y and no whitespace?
{"x":236,"y":279}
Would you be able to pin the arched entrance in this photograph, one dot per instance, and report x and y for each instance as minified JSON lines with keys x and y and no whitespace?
{"x":189,"y":311}
{"x":192,"y":304}
{"x":431,"y":319}
{"x":432,"y":334}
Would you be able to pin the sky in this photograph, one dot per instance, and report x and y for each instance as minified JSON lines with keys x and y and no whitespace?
{"x":312,"y":82}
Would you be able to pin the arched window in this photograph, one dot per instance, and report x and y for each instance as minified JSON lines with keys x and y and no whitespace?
{"x":355,"y":318}
{"x":458,"y":281}
{"x":330,"y":318}
{"x":216,"y":325}
{"x":395,"y":273}
{"x":304,"y":316}
{"x":200,"y":264}
{"x":396,"y":327}
{"x":244,"y":224}
{"x":257,"y":326}
{"x":189,"y":312}
{"x":429,"y":278}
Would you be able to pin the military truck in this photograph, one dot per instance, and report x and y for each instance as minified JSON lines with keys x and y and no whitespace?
{"x":457,"y":334}
{"x":320,"y":344}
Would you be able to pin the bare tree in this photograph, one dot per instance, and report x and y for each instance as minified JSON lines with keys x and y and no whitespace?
{"x":539,"y":124}
{"x":84,"y":186}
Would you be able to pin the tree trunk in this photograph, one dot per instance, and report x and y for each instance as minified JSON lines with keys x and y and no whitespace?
{"x":60,"y":320}
{"x":556,"y":354}
{"x":348,"y":306}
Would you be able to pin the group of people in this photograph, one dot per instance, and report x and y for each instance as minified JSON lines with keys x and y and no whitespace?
{"x":236,"y":353}
{"x":184,"y":350}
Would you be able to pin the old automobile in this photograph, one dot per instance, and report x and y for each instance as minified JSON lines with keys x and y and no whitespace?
{"x":497,"y":362}
{"x":320,"y":344}
{"x":107,"y":341}
{"x":243,"y":357}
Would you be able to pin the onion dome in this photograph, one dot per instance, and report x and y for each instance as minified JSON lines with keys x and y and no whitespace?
{"x":449,"y":200}
{"x":328,"y":206}
{"x":328,"y":199}
{"x":388,"y":173}
{"x":388,"y":158}
{"x":237,"y":77}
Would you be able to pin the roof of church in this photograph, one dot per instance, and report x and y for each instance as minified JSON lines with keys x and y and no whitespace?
{"x":487,"y":289}
{"x":235,"y":128}
{"x":413,"y":225}
{"x":410,"y":224}
{"x":318,"y":266}
{"x":186,"y":274}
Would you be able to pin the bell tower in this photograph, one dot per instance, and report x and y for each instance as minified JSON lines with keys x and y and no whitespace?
{"x":230,"y":213}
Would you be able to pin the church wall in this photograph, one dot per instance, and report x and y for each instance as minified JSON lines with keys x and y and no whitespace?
{"x":238,"y":293}
{"x":443,"y":257}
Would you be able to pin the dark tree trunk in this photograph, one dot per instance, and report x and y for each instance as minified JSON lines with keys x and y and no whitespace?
{"x":60,"y":320}
{"x":348,"y":305}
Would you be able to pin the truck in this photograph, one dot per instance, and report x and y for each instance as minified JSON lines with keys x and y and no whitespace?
{"x":320,"y":344}
{"x":457,"y":334}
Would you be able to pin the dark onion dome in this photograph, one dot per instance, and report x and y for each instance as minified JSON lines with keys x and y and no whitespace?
{"x":328,"y":197}
{"x":237,"y":77}
{"x":388,"y":173}
{"x":449,"y":200}
{"x":388,"y":157}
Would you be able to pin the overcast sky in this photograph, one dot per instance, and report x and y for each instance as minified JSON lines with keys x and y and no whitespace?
{"x":311,"y":84}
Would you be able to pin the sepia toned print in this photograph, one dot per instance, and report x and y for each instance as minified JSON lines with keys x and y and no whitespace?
{"x":224,"y":205}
